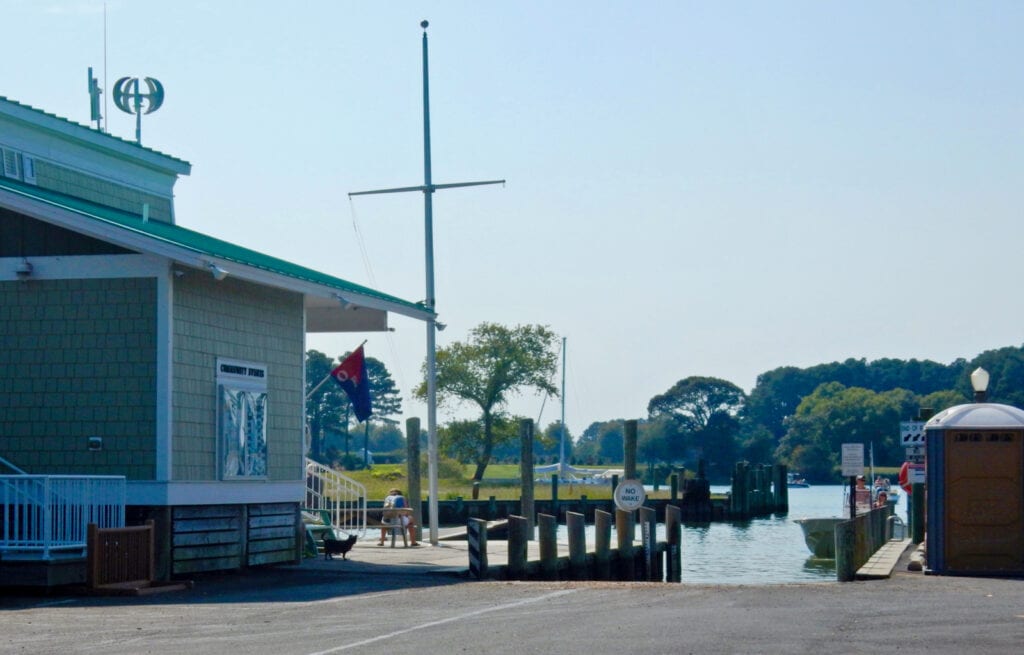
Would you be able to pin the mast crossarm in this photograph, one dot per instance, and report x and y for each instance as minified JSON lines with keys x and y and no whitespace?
{"x":425,"y":187}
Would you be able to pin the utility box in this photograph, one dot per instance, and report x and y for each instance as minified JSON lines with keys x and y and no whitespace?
{"x":975,"y":488}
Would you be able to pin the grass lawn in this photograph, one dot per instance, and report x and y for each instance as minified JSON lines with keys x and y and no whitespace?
{"x":500,"y":481}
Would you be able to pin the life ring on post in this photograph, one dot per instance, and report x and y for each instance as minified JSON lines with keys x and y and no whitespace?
{"x":905,"y":477}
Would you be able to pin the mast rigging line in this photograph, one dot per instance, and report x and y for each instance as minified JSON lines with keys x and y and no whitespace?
{"x":399,"y":371}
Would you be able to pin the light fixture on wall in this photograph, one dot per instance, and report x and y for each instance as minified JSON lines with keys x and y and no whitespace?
{"x":24,"y":270}
{"x":979,"y":380}
{"x":217,"y":272}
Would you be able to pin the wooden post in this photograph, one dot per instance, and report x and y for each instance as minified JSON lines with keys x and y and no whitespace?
{"x":673,"y":481}
{"x":739,"y":499}
{"x":917,"y":513}
{"x":674,"y":537}
{"x":602,"y":544}
{"x":624,"y":535}
{"x":648,"y":536}
{"x":629,"y":449}
{"x":518,"y":535}
{"x":412,"y":464}
{"x":575,"y":522}
{"x":779,"y":475}
{"x":527,"y":505}
{"x":554,"y":494}
{"x":846,"y":567}
{"x":477,"y":536}
{"x":547,"y":528}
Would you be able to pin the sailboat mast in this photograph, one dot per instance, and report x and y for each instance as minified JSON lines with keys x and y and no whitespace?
{"x":561,"y":452}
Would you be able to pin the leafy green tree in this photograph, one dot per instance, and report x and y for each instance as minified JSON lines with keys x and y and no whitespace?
{"x":601,"y":443}
{"x":704,"y":410}
{"x":329,"y":406}
{"x":495,"y":363}
{"x":325,"y":408}
{"x":833,"y":415}
{"x":941,"y":400}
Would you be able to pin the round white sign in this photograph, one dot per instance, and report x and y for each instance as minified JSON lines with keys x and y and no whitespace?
{"x":630,"y":495}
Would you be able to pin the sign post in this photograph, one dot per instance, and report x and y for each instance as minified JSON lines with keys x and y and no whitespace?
{"x":853,"y":465}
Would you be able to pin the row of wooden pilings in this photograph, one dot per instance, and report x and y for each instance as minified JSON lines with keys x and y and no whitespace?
{"x":652,"y":561}
{"x":758,"y":489}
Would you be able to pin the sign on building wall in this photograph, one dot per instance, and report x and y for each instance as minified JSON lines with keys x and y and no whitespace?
{"x":241,"y":419}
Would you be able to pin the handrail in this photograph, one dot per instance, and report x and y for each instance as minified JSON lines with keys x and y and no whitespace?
{"x":12,"y":466}
{"x":340,"y":497}
{"x":47,"y":513}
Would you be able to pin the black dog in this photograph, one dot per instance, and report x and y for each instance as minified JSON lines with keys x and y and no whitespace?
{"x":338,"y":546}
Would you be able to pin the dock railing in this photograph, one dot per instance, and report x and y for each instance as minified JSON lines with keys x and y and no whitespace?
{"x":48,"y":514}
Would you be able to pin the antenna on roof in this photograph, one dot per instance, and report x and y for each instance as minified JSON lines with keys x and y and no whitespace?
{"x":94,"y":101}
{"x":104,"y":54}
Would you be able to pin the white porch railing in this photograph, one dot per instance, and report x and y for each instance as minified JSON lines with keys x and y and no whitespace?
{"x":47,"y":513}
{"x":341,"y":498}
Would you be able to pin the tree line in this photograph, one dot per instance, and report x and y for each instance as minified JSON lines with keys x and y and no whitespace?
{"x":796,"y":416}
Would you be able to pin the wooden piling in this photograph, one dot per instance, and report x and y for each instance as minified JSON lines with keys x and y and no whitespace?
{"x":917,"y":513}
{"x":527,"y":505}
{"x":674,"y":539}
{"x":602,"y":544}
{"x":576,"y":526}
{"x":846,"y":543}
{"x":629,"y":450}
{"x":547,"y":529}
{"x":648,"y":536}
{"x":476,"y":535}
{"x":779,"y":475}
{"x":518,"y":536}
{"x":554,"y":494}
{"x":624,"y":536}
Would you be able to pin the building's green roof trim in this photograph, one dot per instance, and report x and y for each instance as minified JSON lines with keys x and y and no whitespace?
{"x":197,"y":242}
{"x":91,"y":130}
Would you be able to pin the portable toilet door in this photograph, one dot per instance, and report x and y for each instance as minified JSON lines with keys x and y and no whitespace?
{"x":975,"y":487}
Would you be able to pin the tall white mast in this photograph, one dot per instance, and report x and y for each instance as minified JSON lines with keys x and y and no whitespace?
{"x":428,"y":188}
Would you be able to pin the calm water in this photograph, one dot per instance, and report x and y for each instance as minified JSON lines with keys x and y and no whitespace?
{"x":760,"y":551}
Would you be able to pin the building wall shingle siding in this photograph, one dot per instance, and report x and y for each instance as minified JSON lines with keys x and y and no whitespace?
{"x":87,"y":187}
{"x":78,"y":361}
{"x":242,"y":321}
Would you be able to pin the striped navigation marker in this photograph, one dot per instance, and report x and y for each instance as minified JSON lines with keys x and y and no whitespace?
{"x":476,"y":534}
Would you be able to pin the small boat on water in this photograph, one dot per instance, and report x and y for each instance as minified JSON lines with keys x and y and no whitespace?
{"x":793,"y":481}
{"x":820,"y":533}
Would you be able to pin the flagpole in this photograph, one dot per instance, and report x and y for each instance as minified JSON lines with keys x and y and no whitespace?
{"x":430,"y":303}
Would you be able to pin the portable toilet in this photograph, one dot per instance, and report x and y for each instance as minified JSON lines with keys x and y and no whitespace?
{"x":975,"y":488}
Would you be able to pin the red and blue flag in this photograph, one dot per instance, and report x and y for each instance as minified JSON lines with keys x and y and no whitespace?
{"x":350,"y":374}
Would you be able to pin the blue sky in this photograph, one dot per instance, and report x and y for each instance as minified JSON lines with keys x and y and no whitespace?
{"x":692,"y":188}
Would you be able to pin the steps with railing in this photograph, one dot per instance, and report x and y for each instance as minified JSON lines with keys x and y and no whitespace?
{"x":333,"y":497}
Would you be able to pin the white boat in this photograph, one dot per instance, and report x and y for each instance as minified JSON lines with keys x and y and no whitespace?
{"x":820,"y":533}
